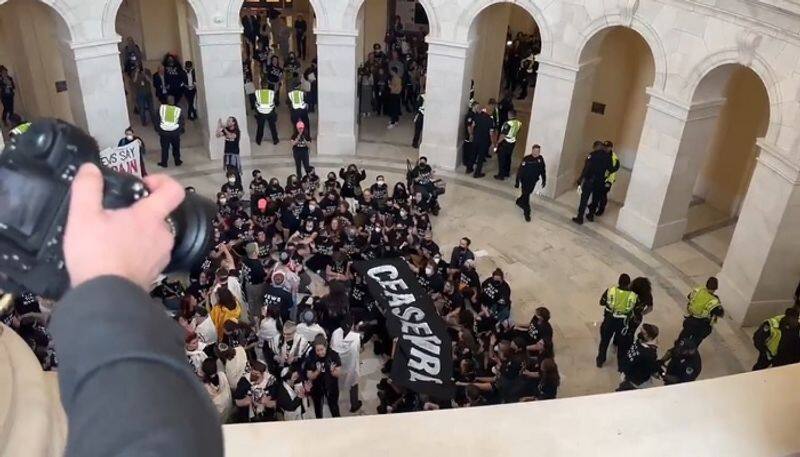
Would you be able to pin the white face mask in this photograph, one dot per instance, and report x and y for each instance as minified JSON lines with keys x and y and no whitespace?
{"x":403,"y":214}
{"x":231,"y":180}
{"x":222,"y":201}
{"x":381,"y":182}
{"x":129,"y":137}
{"x":429,"y":271}
{"x":312,"y":207}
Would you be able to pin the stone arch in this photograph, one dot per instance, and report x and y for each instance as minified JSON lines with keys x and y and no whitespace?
{"x":64,"y":12}
{"x":755,"y":63}
{"x":468,"y":16}
{"x":645,"y":30}
{"x":112,"y":8}
{"x":351,"y":14}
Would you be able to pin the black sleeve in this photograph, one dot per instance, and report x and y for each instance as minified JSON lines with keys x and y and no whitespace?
{"x":585,"y":169}
{"x":285,"y":402}
{"x":760,"y":337}
{"x":544,"y":173}
{"x":125,"y":384}
{"x":242,"y":387}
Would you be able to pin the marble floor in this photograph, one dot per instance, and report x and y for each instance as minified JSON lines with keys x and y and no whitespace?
{"x":549,"y":262}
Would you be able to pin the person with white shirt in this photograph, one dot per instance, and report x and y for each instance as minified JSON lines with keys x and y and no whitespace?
{"x":347,"y":343}
{"x":255,"y":395}
{"x":290,"y":395}
{"x":307,"y":331}
{"x":269,"y":337}
{"x":233,"y":361}
{"x":195,"y":352}
{"x":216,"y":383}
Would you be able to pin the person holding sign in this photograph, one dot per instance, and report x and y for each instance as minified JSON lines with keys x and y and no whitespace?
{"x":170,"y":127}
{"x":131,"y":137}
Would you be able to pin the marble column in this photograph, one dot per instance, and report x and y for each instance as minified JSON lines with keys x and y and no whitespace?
{"x":336,"y":60}
{"x":446,"y":99}
{"x":554,"y":100}
{"x":761,"y":269}
{"x":674,"y":143}
{"x":97,"y":92}
{"x":221,"y":84}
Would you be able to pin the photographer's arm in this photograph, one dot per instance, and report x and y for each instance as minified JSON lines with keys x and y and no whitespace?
{"x":125,"y":384}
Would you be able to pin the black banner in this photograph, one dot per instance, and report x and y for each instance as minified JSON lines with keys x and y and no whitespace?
{"x":423,"y":360}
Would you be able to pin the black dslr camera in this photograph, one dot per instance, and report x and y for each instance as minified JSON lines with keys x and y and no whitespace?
{"x":36,"y":173}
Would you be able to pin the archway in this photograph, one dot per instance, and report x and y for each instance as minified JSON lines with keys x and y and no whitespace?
{"x":282,"y":29}
{"x":501,"y":63}
{"x":730,"y":112}
{"x":151,"y":30}
{"x":396,"y":29}
{"x":35,"y":50}
{"x":609,"y":103}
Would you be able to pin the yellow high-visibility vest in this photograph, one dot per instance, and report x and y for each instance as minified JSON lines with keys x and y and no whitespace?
{"x":701,"y":303}
{"x":620,"y":302}
{"x":20,"y":129}
{"x":297,"y":97}
{"x":611,"y":178}
{"x":265,"y":101}
{"x":774,"y":338}
{"x":513,"y":130}
{"x":170,"y":117}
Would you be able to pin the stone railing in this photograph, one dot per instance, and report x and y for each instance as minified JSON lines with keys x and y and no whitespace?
{"x":747,"y":414}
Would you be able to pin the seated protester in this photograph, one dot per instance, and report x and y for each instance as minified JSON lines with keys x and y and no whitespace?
{"x":449,"y":300}
{"x":641,"y":360}
{"x":310,"y":182}
{"x":376,"y":240}
{"x":255,"y":395}
{"x":269,"y":338}
{"x":204,"y":327}
{"x":294,"y":189}
{"x":352,"y":181}
{"x":224,"y":207}
{"x":419,"y":204}
{"x":323,"y":368}
{"x":258,"y":187}
{"x":216,"y":384}
{"x":464,"y":375}
{"x":241,"y":335}
{"x":312,"y":211}
{"x":339,"y":268}
{"x":366,"y":204}
{"x":329,"y":203}
{"x":274,"y":190}
{"x":290,"y":215}
{"x":290,"y":394}
{"x":510,"y":385}
{"x":372,"y":221}
{"x":460,"y":254}
{"x":539,"y":333}
{"x":260,"y":211}
{"x":422,"y":226}
{"x":430,"y":279}
{"x":681,"y":363}
{"x":483,"y":321}
{"x":439,"y":263}
{"x":397,"y":240}
{"x":343,"y":214}
{"x":307,"y":331}
{"x":474,"y":397}
{"x":263,"y":243}
{"x":353,"y":243}
{"x":305,"y":236}
{"x":496,"y":295}
{"x":400,"y":193}
{"x":395,"y":398}
{"x":331,"y":185}
{"x":195,"y":352}
{"x":326,"y":242}
{"x":469,"y":276}
{"x":380,"y":191}
{"x":232,"y":189}
{"x":548,"y":381}
{"x":403,"y":217}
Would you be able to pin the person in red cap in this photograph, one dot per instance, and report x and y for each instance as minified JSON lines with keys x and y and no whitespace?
{"x":300,"y":141}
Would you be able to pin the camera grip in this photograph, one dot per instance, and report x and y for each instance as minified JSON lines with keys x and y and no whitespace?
{"x":122,"y":190}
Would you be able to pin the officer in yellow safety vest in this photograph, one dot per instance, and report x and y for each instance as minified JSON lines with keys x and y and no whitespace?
{"x":508,"y":140}
{"x":419,"y":120}
{"x":704,"y":308}
{"x":611,"y":178}
{"x":265,"y":113}
{"x":299,"y":109}
{"x":618,"y":303}
{"x":170,"y":127}
{"x":18,"y":126}
{"x":778,"y":340}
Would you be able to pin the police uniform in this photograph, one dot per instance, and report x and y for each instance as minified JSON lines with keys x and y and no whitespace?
{"x":703,"y":310}
{"x":592,"y":181}
{"x":619,"y":305}
{"x":602,"y":194}
{"x":299,"y":109}
{"x":169,"y":126}
{"x":419,"y":119}
{"x":777,"y":342}
{"x":468,"y":147}
{"x":530,"y":171}
{"x":265,"y":113}
{"x":505,"y":149}
{"x":20,"y":129}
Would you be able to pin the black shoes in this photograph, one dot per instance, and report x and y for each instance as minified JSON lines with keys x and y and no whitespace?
{"x":356,"y":407}
{"x":599,"y":362}
{"x":527,"y":218}
{"x":469,"y":170}
{"x":178,"y":163}
{"x":162,"y":164}
{"x":275,"y":141}
{"x":577,"y":220}
{"x":476,"y":175}
{"x":590,"y":217}
{"x":599,"y":213}
{"x":500,"y":177}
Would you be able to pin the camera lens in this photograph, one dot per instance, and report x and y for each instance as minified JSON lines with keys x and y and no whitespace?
{"x":193,"y":232}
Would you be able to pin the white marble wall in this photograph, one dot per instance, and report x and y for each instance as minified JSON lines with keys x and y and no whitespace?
{"x":337,"y":63}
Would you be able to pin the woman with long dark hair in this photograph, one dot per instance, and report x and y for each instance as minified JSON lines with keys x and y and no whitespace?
{"x":232,"y":134}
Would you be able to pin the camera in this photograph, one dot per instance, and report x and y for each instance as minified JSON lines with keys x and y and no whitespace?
{"x":36,"y":173}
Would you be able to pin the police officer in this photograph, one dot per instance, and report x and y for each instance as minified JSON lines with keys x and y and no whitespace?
{"x":530,"y":171}
{"x":618,"y":303}
{"x":508,"y":140}
{"x":592,"y":180}
{"x":778,"y":340}
{"x":681,"y":363}
{"x":468,"y":146}
{"x":265,"y":113}
{"x":482,"y":133}
{"x":170,"y":127}
{"x":611,"y":178}
{"x":299,"y":109}
{"x":18,"y":125}
{"x":704,"y":308}
{"x":419,"y":119}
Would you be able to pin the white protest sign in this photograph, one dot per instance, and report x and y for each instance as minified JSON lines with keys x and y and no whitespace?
{"x":125,"y":159}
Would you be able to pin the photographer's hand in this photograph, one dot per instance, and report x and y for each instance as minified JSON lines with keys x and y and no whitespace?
{"x":132,"y":243}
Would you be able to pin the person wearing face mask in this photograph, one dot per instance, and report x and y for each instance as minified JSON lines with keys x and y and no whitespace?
{"x":331,"y":184}
{"x":131,"y":137}
{"x":190,"y":89}
{"x":352,"y":181}
{"x":310,"y":182}
{"x":329,"y":204}
{"x":258,"y":187}
{"x":428,"y":246}
{"x":312,"y":212}
{"x":400,"y":193}
{"x":640,"y":363}
{"x":300,"y":150}
{"x":274,"y":190}
{"x":430,"y":279}
{"x":232,"y":189}
{"x":496,"y":295}
{"x":380,"y":190}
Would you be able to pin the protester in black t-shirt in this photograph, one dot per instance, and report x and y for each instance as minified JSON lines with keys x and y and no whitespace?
{"x":640,"y":363}
{"x":255,"y":395}
{"x":322,"y":368}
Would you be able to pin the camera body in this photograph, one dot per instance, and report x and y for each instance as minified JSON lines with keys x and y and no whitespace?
{"x":36,"y":173}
